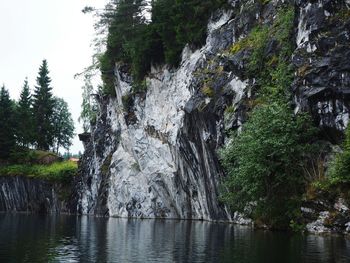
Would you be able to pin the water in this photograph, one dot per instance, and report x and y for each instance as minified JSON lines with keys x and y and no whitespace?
{"x":34,"y":238}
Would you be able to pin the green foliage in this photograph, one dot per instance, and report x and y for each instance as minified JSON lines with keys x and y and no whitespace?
{"x":259,"y":43}
{"x":140,"y":42}
{"x":63,"y":124}
{"x":43,"y":104}
{"x":59,"y":171}
{"x":24,"y":117}
{"x":23,"y":155}
{"x":296,"y":226}
{"x":106,"y":164}
{"x":7,"y":130}
{"x":208,"y":91}
{"x":256,"y":39}
{"x":41,"y":121}
{"x":273,"y":72}
{"x":340,"y":168}
{"x":139,"y":86}
{"x":88,"y":113}
{"x":127,"y":101}
{"x":264,"y":163}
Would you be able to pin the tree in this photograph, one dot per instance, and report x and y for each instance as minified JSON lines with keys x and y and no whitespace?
{"x":88,"y":106}
{"x":63,"y":125}
{"x":265,"y":163}
{"x":124,"y":25}
{"x":43,"y":104}
{"x":24,"y":116}
{"x":144,"y":33}
{"x":7,"y":131}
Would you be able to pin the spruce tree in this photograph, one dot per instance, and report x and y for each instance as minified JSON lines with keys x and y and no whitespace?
{"x":24,"y":117}
{"x":43,"y":104}
{"x":7,"y":134}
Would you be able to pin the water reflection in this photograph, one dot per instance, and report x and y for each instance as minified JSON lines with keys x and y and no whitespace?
{"x":29,"y":238}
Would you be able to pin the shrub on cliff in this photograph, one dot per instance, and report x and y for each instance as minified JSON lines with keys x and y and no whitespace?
{"x":340,"y":167}
{"x":264,"y":163}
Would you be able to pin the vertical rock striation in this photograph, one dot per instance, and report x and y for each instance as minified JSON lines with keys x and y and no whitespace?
{"x":21,"y":194}
{"x":154,"y":154}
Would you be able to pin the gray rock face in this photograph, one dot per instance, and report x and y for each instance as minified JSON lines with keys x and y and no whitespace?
{"x":154,"y":154}
{"x":159,"y":152}
{"x":20,"y":194}
{"x":322,"y":83}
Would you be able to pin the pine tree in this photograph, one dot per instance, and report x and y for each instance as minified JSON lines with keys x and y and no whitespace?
{"x":7,"y":134}
{"x":63,"y":125}
{"x":24,"y":116}
{"x":43,"y":104}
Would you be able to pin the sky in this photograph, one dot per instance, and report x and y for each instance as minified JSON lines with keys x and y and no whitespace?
{"x":55,"y":30}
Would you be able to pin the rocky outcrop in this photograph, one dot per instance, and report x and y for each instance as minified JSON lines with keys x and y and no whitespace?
{"x":22,"y":194}
{"x":322,"y":83}
{"x":154,"y":154}
{"x":325,"y":216}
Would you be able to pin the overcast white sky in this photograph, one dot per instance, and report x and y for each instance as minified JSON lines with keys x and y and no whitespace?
{"x":56,"y":30}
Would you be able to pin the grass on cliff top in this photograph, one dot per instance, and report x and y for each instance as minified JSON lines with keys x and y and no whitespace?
{"x":22,"y":155}
{"x":58,"y":171}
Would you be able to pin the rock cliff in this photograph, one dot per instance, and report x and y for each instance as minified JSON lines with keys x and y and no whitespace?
{"x":22,"y":194}
{"x":153,"y":154}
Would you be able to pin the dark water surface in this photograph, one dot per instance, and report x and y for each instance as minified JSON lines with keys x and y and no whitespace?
{"x":33,"y":238}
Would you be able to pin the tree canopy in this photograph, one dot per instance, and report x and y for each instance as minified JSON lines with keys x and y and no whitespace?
{"x":39,"y":121}
{"x":141,"y":35}
{"x":24,"y":127}
{"x":63,"y":125}
{"x":7,"y":130}
{"x":43,"y":104}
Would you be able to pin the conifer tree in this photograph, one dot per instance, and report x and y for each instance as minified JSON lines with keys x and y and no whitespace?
{"x":43,"y":104}
{"x":7,"y":133}
{"x":24,"y":116}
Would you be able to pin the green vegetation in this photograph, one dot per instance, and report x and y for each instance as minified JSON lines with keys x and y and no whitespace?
{"x":140,"y":41}
{"x":266,"y":161}
{"x":340,"y":167}
{"x":88,"y":113}
{"x":7,"y":125}
{"x":208,"y":91}
{"x":58,"y":172}
{"x":63,"y":125}
{"x":336,"y":180}
{"x":25,"y":127}
{"x":22,"y":155}
{"x":43,"y":104}
{"x":273,"y":71}
{"x":41,"y":121}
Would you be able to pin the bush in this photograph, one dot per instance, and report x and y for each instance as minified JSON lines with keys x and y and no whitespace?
{"x":339,"y":172}
{"x":264,"y":163}
{"x":22,"y":155}
{"x":58,"y":172}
